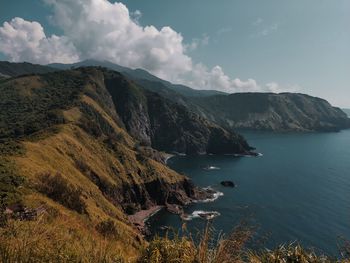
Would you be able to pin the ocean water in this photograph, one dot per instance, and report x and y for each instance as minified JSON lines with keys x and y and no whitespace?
{"x":299,"y":190}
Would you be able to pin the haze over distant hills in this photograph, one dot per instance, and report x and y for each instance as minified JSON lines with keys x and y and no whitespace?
{"x":347,"y":111}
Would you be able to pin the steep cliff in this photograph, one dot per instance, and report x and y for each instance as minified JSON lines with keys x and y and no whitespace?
{"x":166,"y":125}
{"x":274,"y":112}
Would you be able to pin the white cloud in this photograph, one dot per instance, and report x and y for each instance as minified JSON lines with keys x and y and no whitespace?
{"x":276,"y":88}
{"x":106,"y":31}
{"x":201,"y":77}
{"x":102,"y":30}
{"x":23,"y":40}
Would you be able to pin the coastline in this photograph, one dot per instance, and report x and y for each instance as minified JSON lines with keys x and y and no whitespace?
{"x":140,"y":218}
{"x":167,"y":157}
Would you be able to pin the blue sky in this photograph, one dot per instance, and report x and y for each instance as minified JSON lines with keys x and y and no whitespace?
{"x":268,"y":45}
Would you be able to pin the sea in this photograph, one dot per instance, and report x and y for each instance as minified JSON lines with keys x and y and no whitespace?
{"x":297,"y":190}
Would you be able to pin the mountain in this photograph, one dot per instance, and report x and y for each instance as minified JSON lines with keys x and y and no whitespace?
{"x":9,"y":69}
{"x":274,"y":112}
{"x":139,"y":75}
{"x":257,"y":111}
{"x":82,"y":148}
{"x":168,"y":126}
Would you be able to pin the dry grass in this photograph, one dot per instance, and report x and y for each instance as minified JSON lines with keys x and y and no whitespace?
{"x":230,"y":249}
{"x":40,"y":241}
{"x":211,"y":248}
{"x":292,"y":252}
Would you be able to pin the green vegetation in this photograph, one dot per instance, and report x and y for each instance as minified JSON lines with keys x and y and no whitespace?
{"x":9,"y":182}
{"x":56,"y":188}
{"x":17,"y":69}
{"x":30,"y":104}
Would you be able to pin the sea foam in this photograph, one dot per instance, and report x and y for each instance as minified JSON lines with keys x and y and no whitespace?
{"x":201,"y":214}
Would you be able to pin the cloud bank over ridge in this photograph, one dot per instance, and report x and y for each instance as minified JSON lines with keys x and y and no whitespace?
{"x":98,"y":29}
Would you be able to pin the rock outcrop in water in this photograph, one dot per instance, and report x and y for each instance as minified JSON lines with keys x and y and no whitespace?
{"x":228,"y":184}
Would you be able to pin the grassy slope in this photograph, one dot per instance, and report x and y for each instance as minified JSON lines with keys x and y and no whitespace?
{"x":92,"y":161}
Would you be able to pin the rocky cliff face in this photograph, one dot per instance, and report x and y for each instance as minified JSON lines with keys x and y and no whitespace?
{"x":274,"y":112}
{"x":166,"y":125}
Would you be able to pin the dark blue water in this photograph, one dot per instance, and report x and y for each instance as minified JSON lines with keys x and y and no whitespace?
{"x":298,"y":190}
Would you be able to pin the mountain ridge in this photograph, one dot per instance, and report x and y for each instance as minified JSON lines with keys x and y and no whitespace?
{"x":202,"y":102}
{"x":274,"y":112}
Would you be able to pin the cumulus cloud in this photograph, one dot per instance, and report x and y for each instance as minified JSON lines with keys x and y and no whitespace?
{"x":203,"y":78}
{"x":99,"y":29}
{"x":22,"y":40}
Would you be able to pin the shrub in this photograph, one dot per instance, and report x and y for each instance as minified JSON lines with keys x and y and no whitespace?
{"x":288,"y":253}
{"x":9,"y":182}
{"x":3,"y":217}
{"x":107,"y":228}
{"x":56,"y":188}
{"x":164,"y":250}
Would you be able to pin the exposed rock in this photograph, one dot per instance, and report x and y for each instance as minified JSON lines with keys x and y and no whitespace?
{"x":228,"y":184}
{"x":273,"y":112}
{"x":168,"y":126}
{"x":175,"y":209}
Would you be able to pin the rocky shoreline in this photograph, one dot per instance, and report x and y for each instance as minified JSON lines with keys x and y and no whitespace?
{"x":140,"y":218}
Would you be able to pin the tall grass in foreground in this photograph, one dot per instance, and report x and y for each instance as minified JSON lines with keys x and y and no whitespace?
{"x":40,"y":241}
{"x":230,"y":249}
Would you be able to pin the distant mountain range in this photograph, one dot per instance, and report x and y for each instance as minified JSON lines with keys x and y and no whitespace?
{"x":254,"y":111}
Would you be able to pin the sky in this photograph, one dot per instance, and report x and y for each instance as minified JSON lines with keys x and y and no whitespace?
{"x":228,"y":45}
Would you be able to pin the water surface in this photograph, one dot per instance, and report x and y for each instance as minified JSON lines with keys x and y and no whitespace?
{"x":298,"y":190}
